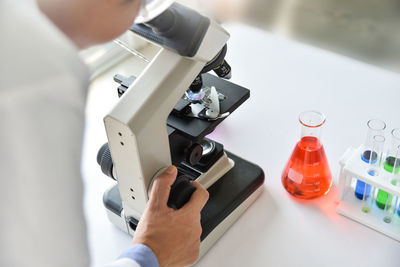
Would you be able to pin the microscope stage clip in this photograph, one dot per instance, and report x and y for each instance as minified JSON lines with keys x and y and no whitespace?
{"x":207,"y":106}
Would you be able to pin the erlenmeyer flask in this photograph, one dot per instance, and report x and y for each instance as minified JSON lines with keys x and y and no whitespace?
{"x":307,"y":174}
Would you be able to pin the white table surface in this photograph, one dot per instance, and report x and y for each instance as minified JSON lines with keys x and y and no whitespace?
{"x":285,"y":78}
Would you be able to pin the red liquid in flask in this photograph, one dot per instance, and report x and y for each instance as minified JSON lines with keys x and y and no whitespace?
{"x":307,"y":174}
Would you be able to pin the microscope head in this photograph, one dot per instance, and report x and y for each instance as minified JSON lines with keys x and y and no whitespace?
{"x":184,"y":31}
{"x":151,"y":9}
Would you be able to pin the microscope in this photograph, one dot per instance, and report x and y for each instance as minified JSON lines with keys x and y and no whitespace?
{"x":163,"y":118}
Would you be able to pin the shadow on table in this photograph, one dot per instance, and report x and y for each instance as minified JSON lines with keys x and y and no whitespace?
{"x":326,"y":204}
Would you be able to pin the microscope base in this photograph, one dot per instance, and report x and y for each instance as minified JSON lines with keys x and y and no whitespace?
{"x":223,"y":226}
{"x":230,"y":196}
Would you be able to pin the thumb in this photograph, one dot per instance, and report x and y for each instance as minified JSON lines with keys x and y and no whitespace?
{"x":162,"y":187}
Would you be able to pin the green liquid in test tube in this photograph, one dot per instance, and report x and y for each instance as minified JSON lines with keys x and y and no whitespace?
{"x":391,"y":165}
{"x":383,"y":198}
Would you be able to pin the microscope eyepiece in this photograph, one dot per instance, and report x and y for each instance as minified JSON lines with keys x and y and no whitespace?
{"x":166,"y":24}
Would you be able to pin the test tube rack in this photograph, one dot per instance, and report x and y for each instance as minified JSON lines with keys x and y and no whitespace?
{"x":366,"y":211}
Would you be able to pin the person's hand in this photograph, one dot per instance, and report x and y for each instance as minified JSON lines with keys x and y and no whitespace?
{"x":173,"y":235}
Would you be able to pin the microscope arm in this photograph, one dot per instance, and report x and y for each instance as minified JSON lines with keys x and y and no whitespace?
{"x":137,"y":126}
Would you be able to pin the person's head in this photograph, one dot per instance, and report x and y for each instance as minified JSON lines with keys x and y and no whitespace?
{"x":89,"y":22}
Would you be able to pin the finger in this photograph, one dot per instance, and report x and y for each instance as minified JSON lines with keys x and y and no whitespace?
{"x":198,"y":199}
{"x":162,"y":187}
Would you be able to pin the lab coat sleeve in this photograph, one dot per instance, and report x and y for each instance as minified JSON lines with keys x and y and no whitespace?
{"x":136,"y":256}
{"x":125,"y":262}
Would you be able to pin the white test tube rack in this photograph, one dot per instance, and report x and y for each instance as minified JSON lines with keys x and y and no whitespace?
{"x":353,"y":168}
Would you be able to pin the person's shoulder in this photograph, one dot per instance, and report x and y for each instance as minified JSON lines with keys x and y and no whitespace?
{"x":33,"y":49}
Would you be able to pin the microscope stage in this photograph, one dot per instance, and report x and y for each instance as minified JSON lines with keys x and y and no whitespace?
{"x":195,"y":128}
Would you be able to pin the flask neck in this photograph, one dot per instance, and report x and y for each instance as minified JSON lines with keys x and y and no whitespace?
{"x":311,"y":131}
{"x":311,"y":124}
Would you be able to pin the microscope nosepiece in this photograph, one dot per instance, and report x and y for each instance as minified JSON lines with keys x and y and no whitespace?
{"x":219,"y":65}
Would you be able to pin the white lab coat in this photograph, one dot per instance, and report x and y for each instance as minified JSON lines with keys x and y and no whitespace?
{"x":43,"y":85}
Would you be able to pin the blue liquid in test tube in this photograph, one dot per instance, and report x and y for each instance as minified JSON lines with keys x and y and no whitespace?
{"x":361,"y":187}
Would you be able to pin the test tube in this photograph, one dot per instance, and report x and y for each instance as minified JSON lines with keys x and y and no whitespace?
{"x":397,"y":182}
{"x":373,"y":170}
{"x":368,"y":155}
{"x":398,"y":198}
{"x":391,"y":165}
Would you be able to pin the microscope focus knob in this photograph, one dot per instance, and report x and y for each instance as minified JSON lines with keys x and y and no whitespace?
{"x":181,"y":191}
{"x":105,"y":161}
{"x":194,"y":154}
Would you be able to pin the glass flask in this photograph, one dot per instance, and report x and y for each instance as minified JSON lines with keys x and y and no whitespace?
{"x":307,"y":174}
{"x":375,"y":128}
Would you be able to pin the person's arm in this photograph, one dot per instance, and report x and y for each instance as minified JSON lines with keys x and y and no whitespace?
{"x":166,"y":237}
